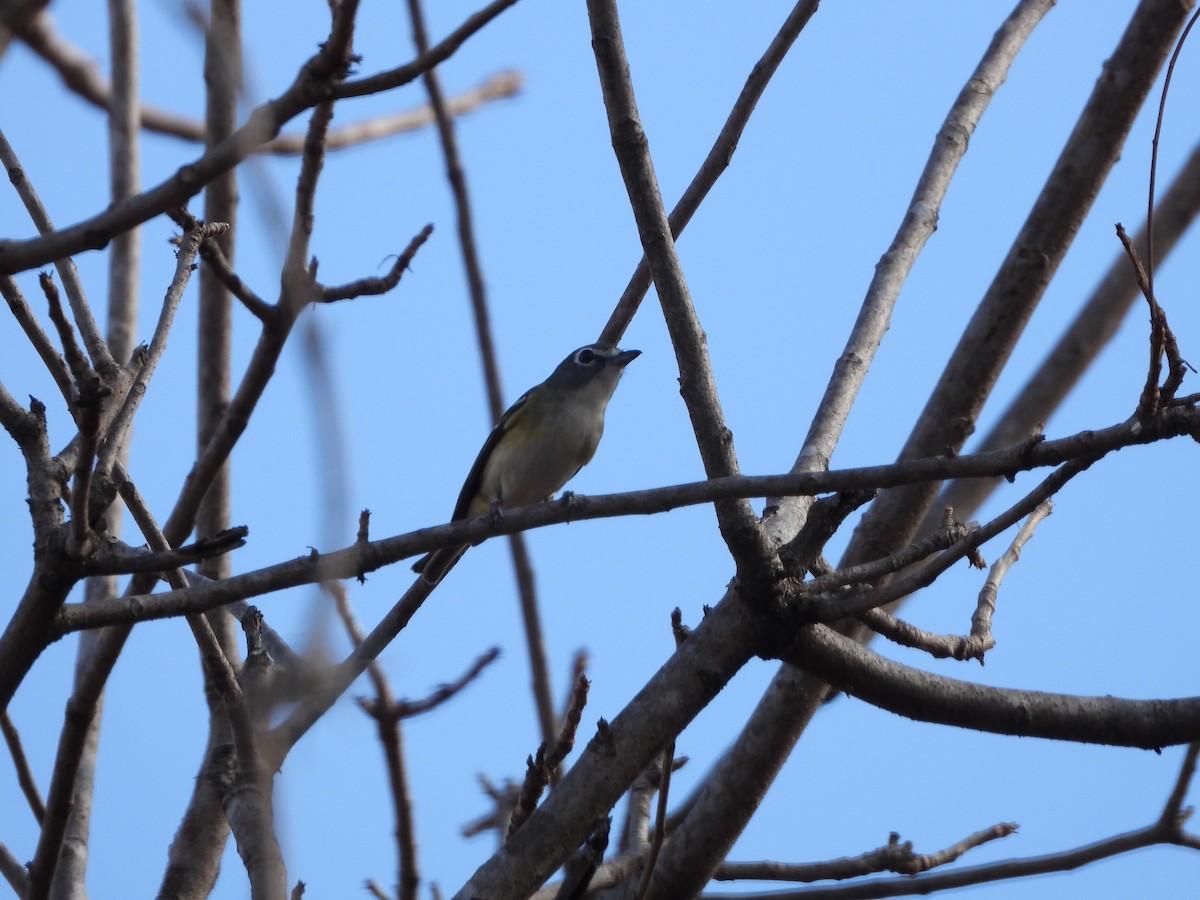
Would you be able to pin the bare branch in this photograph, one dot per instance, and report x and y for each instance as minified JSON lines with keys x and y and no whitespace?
{"x":894,"y":856}
{"x":980,"y":640}
{"x":943,"y":539}
{"x":76,"y":361}
{"x":81,"y":710}
{"x":691,"y":677}
{"x":406,"y":709}
{"x":1088,"y":334}
{"x":738,"y":524}
{"x":375,"y":285}
{"x":504,"y":801}
{"x":499,"y":86}
{"x":446,"y":48}
{"x":579,"y":869}
{"x":1149,"y":724}
{"x":659,"y":835}
{"x":539,"y":770}
{"x":1162,"y":339}
{"x":835,"y":606}
{"x":1082,"y":167}
{"x":211,"y":253}
{"x":194,"y":233}
{"x":21,"y":764}
{"x":1162,"y":108}
{"x":121,"y":559}
{"x":362,"y":557}
{"x":82,"y":76}
{"x":101,"y":358}
{"x":391,"y":736}
{"x":311,"y":86}
{"x":714,"y":165}
{"x":55,"y":364}
{"x":13,"y":871}
{"x":917,"y":226}
{"x":1062,"y":861}
{"x":86,"y":402}
{"x":306,"y":714}
{"x":473,"y":269}
{"x":1173,"y":813}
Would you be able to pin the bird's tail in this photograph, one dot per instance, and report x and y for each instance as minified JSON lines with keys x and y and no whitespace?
{"x":434,"y":566}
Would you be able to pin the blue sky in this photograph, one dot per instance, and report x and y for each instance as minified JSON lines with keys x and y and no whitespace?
{"x":777,"y":260}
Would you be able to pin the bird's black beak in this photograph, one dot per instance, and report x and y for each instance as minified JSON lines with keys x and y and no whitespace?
{"x":624,"y":358}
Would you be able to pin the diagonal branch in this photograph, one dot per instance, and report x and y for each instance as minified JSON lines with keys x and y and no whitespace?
{"x":984,"y":348}
{"x":82,"y":76}
{"x":917,"y":226}
{"x":310,"y":87}
{"x":195,"y":232}
{"x":46,"y":350}
{"x":102,"y":360}
{"x":714,"y":439}
{"x":28,"y":784}
{"x":718,"y":160}
{"x":1089,"y":333}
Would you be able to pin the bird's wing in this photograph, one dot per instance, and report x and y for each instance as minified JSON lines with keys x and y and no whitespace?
{"x":471,"y":486}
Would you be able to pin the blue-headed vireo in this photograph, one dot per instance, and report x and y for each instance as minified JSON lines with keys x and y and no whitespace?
{"x":539,"y":444}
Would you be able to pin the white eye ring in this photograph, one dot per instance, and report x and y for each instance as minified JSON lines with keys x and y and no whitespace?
{"x":586,"y":357}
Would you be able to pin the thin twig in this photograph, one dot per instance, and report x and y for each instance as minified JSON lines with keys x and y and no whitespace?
{"x":101,"y":358}
{"x":51,"y":358}
{"x":720,"y":155}
{"x":121,"y":559}
{"x":1088,"y":334}
{"x":540,"y":767}
{"x":579,"y":869}
{"x":86,"y":402}
{"x":407,"y":709}
{"x":942,"y":539}
{"x":834,"y":606}
{"x":211,"y":253}
{"x":262,"y":125}
{"x":20,"y":762}
{"x":1148,"y":402}
{"x":1162,"y":108}
{"x":980,"y":640}
{"x":1021,"y":867}
{"x":373,"y":285}
{"x":894,"y":856}
{"x":194,"y":233}
{"x":81,"y":75}
{"x":665,"y":767}
{"x":473,"y":269}
{"x":1173,"y":808}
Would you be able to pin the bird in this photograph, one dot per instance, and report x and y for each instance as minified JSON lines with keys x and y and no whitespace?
{"x":538,"y":445}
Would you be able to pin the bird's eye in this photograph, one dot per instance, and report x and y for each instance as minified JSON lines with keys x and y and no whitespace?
{"x":585,"y":357}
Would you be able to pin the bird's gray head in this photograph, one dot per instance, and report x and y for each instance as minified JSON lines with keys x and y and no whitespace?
{"x":595,"y":362}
